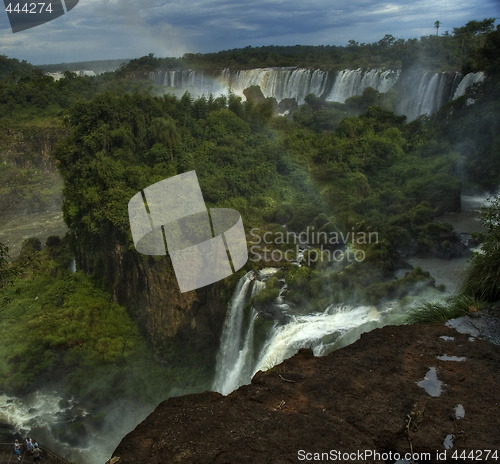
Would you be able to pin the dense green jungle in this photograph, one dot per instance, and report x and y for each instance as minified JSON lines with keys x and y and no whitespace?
{"x":338,"y":168}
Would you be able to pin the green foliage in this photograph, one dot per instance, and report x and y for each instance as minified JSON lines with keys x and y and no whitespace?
{"x":12,"y":69}
{"x":366,"y":170}
{"x":338,"y":167}
{"x":8,"y":273}
{"x":483,"y":276}
{"x":439,"y":311}
{"x":266,"y":295}
{"x":58,"y":328}
{"x":413,"y":282}
{"x":121,"y":144}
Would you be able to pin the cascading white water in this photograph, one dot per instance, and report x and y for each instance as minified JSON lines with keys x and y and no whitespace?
{"x":43,"y":414}
{"x":320,"y":332}
{"x":427,"y":97}
{"x":279,"y":83}
{"x":349,"y":83}
{"x":467,"y":81}
{"x":230,"y":358}
{"x":238,"y":359}
{"x":423,"y":92}
{"x":235,"y":360}
{"x":197,"y":83}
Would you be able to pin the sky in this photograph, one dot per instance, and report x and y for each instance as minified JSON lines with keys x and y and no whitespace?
{"x":120,"y":29}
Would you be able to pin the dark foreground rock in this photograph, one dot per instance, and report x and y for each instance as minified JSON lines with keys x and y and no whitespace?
{"x":366,"y":398}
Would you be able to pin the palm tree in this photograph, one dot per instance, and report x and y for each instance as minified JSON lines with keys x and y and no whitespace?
{"x":436,"y":25}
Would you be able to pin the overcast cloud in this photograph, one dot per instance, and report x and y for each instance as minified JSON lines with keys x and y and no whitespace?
{"x":108,"y":29}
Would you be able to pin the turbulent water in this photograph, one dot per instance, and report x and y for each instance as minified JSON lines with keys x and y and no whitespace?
{"x":38,"y":415}
{"x":240,"y":357}
{"x":45,"y":417}
{"x":423,"y":92}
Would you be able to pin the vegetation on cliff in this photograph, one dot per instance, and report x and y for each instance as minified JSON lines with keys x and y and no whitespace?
{"x":59,"y":330}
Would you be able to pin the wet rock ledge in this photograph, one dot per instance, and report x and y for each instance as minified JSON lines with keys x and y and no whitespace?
{"x":372,"y":396}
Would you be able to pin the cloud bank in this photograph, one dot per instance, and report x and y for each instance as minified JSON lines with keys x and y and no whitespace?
{"x":108,"y":29}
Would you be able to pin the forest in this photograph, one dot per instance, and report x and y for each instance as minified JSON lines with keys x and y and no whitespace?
{"x":330,"y":166}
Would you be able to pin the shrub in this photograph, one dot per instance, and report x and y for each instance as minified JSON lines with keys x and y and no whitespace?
{"x":438,"y":311}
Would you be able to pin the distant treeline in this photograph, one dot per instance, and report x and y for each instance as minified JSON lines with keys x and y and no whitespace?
{"x":457,"y":51}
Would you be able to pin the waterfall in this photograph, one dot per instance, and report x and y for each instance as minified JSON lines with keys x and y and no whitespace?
{"x":337,"y":326}
{"x":279,"y":83}
{"x":235,"y":359}
{"x":467,"y":81}
{"x":349,"y":83}
{"x":423,"y":93}
{"x":235,"y":342}
{"x":289,"y":330}
{"x":197,"y":83}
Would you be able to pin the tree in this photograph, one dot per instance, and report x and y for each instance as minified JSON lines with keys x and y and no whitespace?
{"x":164,"y":130}
{"x":4,"y":263}
{"x":436,"y":25}
{"x":387,"y":41}
{"x":471,"y":38}
{"x":488,"y":54}
{"x":8,"y":272}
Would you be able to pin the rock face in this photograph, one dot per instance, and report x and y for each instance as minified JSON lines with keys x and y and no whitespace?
{"x":148,"y":288}
{"x":378,"y":395}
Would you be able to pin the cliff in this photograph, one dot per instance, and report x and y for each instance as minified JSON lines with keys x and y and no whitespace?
{"x":148,"y":288}
{"x":399,"y":389}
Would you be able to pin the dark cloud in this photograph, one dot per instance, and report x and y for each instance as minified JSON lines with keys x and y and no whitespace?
{"x":105,"y":29}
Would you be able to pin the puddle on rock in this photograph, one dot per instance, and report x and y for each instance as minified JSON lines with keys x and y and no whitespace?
{"x":445,"y":357}
{"x":459,"y":411}
{"x":431,"y":384}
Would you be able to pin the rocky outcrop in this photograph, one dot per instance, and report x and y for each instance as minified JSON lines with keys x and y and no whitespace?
{"x":399,"y":389}
{"x":148,"y":288}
